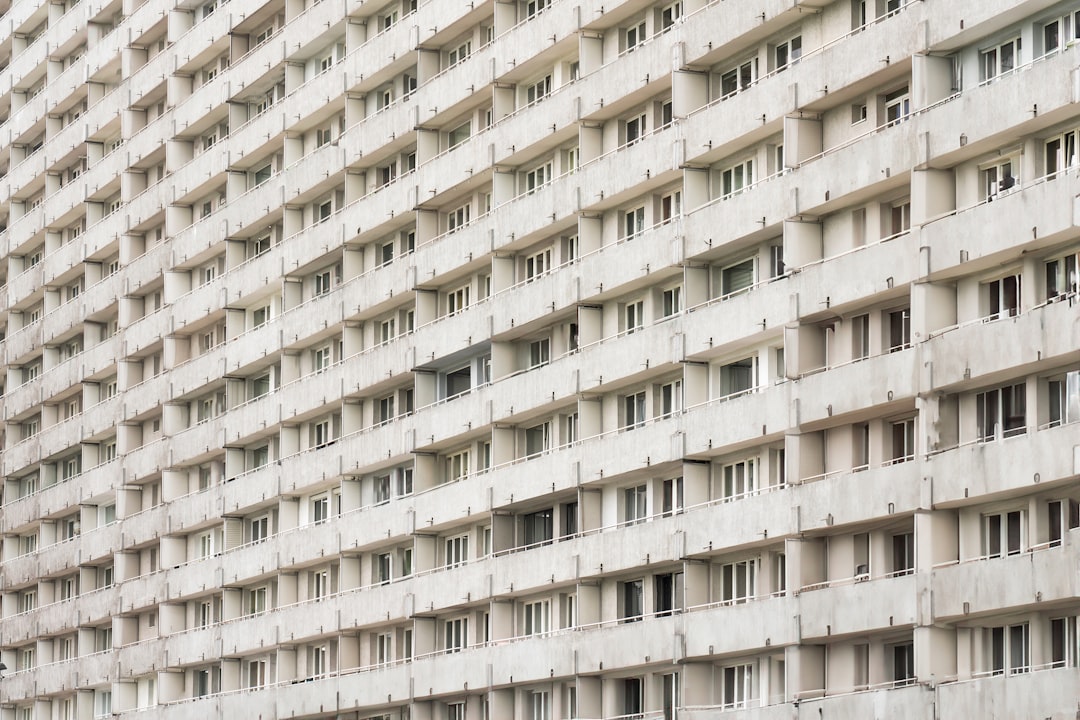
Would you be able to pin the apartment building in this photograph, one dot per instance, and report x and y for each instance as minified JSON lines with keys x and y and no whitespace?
{"x":540,"y":359}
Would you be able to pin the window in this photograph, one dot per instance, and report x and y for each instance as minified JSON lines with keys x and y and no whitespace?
{"x":738,"y":688}
{"x":459,"y":134}
{"x":537,"y":617}
{"x":323,"y":283}
{"x":206,"y":545}
{"x":737,"y":581}
{"x":538,"y":176}
{"x":670,"y":14}
{"x":381,"y":489}
{"x":457,"y":466}
{"x":634,"y":411}
{"x":787,"y":52}
{"x":1002,"y":297}
{"x":738,"y":78}
{"x":383,"y":648}
{"x":1060,"y":153}
{"x":405,"y":484}
{"x":902,"y":658}
{"x":903,"y":553}
{"x":320,"y":584}
{"x":102,"y":703}
{"x":260,"y":456}
{"x":256,"y":675}
{"x":570,"y":158}
{"x":1001,"y":411}
{"x":738,"y":377}
{"x":262,"y":36}
{"x":537,"y":264}
{"x":260,"y":386}
{"x":383,"y":568}
{"x":897,"y":105}
{"x":537,"y":439}
{"x":672,"y":301}
{"x":456,"y":632}
{"x":737,"y":177}
{"x":538,"y":90}
{"x":539,"y":707}
{"x":257,"y":600}
{"x":260,"y":316}
{"x":671,"y":206}
{"x":387,"y":330}
{"x":320,"y":508}
{"x":903,"y":440}
{"x":634,"y":316}
{"x":259,"y":528}
{"x":633,"y":600}
{"x":459,"y":53}
{"x":538,"y":527}
{"x":858,"y":113}
{"x":457,"y":300}
{"x":321,"y":433}
{"x":635,"y":128}
{"x":633,"y":222}
{"x":263,"y":174}
{"x":999,"y":178}
{"x":457,"y":551}
{"x":326,"y":61}
{"x":1008,"y":649}
{"x":860,"y":337}
{"x":1004,"y":533}
{"x":31,"y":372}
{"x":1063,"y":645}
{"x":899,"y":329}
{"x":667,"y":593}
{"x":320,"y":358}
{"x":324,"y":210}
{"x":635,"y":503}
{"x":1000,"y":59}
{"x":534,"y":6}
{"x":1062,"y":276}
{"x":206,"y":681}
{"x":572,"y":428}
{"x":1060,"y":32}
{"x":386,"y":409}
{"x":671,"y":398}
{"x":672,"y":495}
{"x":1064,"y":398}
{"x":740,"y":478}
{"x":458,"y":217}
{"x":259,"y":245}
{"x":634,"y":35}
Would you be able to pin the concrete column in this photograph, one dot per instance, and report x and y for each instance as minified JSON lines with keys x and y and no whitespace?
{"x":802,"y":140}
{"x":802,"y":243}
{"x":936,"y":653}
{"x":933,"y":194}
{"x":689,"y":91}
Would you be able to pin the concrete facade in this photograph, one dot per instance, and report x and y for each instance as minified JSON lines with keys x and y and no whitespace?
{"x":540,"y":359}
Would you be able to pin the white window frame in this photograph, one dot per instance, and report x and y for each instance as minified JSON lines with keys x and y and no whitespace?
{"x":634,"y":35}
{"x":736,"y":177}
{"x":743,"y":75}
{"x":456,"y":550}
{"x":739,"y":479}
{"x":992,"y":62}
{"x":786,"y":52}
